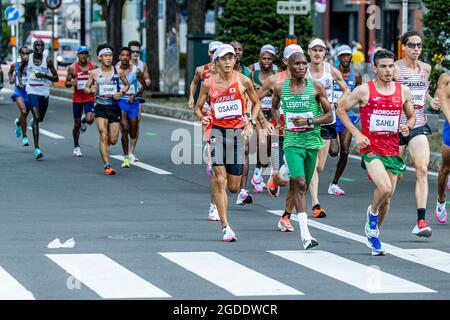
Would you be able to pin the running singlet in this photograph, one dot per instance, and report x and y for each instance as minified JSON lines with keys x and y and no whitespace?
{"x":257,"y":67}
{"x":380,"y":120}
{"x":133,"y":80}
{"x":16,"y":78}
{"x":351,"y":83}
{"x":327,"y":81}
{"x":305,"y":106}
{"x":266,"y":102}
{"x":418,"y":85}
{"x":228,"y":105}
{"x":79,"y":96}
{"x":106,"y":88}
{"x":38,"y":86}
{"x":207,"y":72}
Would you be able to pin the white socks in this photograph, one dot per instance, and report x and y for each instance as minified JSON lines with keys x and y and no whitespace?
{"x":371,"y":211}
{"x":303,"y":222}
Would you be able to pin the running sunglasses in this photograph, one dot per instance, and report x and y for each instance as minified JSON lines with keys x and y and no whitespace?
{"x":135,"y":51}
{"x":412,"y":45}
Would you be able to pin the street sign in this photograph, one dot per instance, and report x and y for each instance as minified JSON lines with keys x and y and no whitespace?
{"x":12,"y":14}
{"x":73,"y":17}
{"x":53,"y":4}
{"x":298,"y":7}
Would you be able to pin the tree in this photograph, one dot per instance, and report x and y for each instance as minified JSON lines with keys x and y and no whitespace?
{"x":152,"y":43}
{"x":255,"y":23}
{"x":112,"y":13}
{"x":196,"y":10}
{"x":437,"y":37}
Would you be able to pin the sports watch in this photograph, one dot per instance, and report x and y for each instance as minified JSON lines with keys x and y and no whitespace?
{"x":310,"y":121}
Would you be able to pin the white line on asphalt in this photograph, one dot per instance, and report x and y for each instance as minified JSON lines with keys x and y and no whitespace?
{"x":48,"y":133}
{"x":367,"y":278}
{"x":11,"y":289}
{"x":438,"y":258}
{"x":197,"y":124}
{"x":143,"y":166}
{"x":229,"y":275}
{"x":106,"y":277}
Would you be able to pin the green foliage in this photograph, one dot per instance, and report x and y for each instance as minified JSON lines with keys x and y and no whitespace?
{"x":5,"y":35}
{"x":255,"y":23}
{"x":437,"y":37}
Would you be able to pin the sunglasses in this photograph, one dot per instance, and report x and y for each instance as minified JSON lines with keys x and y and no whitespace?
{"x":413,"y":45}
{"x":27,"y":53}
{"x":135,"y":51}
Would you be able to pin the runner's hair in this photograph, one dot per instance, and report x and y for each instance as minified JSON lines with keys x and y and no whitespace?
{"x":134,"y":43}
{"x":126,"y":49}
{"x":104,"y":46}
{"x":405,"y":37}
{"x":382,"y":54}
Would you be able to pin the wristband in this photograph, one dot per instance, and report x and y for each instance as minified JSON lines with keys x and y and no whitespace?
{"x":430,"y":107}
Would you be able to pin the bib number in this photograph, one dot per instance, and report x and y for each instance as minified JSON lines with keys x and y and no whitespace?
{"x":266,"y":103}
{"x":228,"y":109}
{"x":108,"y":89}
{"x":81,"y":84}
{"x":383,"y":123}
{"x":289,"y":118}
{"x":418,"y":97}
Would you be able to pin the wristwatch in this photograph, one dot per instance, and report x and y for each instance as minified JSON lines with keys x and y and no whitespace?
{"x":310,"y":121}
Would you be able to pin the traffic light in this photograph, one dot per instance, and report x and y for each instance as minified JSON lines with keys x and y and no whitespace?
{"x":290,"y":39}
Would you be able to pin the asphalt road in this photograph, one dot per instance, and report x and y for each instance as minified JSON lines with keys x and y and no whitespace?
{"x":143,"y":234}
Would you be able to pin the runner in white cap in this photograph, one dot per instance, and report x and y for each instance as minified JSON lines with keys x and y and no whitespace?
{"x":324,"y":73}
{"x":257,"y":65}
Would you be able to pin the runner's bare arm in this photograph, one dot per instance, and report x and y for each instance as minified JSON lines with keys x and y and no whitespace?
{"x":141,"y":79}
{"x":90,"y":82}
{"x":267,"y":87}
{"x":276,"y":98}
{"x":193,"y":86}
{"x":70,"y":76}
{"x":11,"y":73}
{"x":337,"y":76}
{"x":321,"y":97}
{"x":126,"y":85}
{"x":358,"y":78}
{"x":443,"y":93}
{"x":22,"y":66}
{"x":408,"y":109}
{"x":253,"y":97}
{"x":146,"y":75}
{"x":54,"y":77}
{"x":202,"y":97}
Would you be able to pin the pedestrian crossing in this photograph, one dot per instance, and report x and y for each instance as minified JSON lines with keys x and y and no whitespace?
{"x":233,"y":275}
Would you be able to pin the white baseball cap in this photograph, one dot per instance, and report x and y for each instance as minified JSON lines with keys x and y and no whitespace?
{"x":290,"y":49}
{"x":223,"y":50}
{"x":317,"y":42}
{"x":344,"y":49}
{"x":214,"y":45}
{"x":268,"y":48}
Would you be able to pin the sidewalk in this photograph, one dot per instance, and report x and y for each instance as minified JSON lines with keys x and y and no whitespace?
{"x":185,"y":114}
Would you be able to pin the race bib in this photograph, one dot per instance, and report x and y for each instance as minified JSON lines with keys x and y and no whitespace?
{"x":418,"y":97}
{"x":81,"y":84}
{"x":107,"y":89}
{"x":289,"y":118}
{"x":266,"y":103}
{"x":130,"y":91}
{"x":228,"y":109}
{"x":34,"y":79}
{"x":384,"y":123}
{"x":337,"y":95}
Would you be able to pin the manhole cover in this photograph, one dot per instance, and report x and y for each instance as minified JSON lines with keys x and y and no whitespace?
{"x":144,"y":236}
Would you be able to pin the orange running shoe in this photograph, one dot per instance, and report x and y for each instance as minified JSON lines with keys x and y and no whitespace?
{"x":319,"y":213}
{"x":272,"y":188}
{"x":284,"y":224}
{"x":109,"y":171}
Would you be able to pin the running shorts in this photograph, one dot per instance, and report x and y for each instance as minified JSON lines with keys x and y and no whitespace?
{"x":20,"y":93}
{"x":328,"y":132}
{"x":38,"y":102}
{"x":393,"y":163}
{"x":425,"y":130}
{"x":228,"y":149}
{"x":110,"y":112}
{"x":301,"y":162}
{"x":78,"y":108}
{"x":446,"y":134}
{"x":131,"y":109}
{"x":340,"y":126}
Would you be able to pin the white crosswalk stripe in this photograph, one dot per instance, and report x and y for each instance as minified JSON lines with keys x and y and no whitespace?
{"x":11,"y":289}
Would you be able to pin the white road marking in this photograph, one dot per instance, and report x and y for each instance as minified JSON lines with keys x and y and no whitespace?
{"x":229,"y":275}
{"x":143,"y":166}
{"x":367,"y":278}
{"x":48,"y":133}
{"x":11,"y":289}
{"x":435,"y":259}
{"x":106,"y":277}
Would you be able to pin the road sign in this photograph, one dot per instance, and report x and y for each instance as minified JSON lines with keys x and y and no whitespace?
{"x":12,"y":14}
{"x":53,"y":4}
{"x":73,"y":17}
{"x":298,"y":7}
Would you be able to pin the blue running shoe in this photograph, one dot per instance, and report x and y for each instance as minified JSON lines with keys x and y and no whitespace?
{"x":38,"y":154}
{"x":371,"y":228}
{"x":18,"y":129}
{"x":25,"y":142}
{"x":375,"y":244}
{"x":83,"y":123}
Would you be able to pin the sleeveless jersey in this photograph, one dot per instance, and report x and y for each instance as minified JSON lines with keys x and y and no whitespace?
{"x":79,"y":96}
{"x":207,"y":72}
{"x":417,"y":83}
{"x":133,"y":80}
{"x":38,"y":86}
{"x":266,"y":102}
{"x":351,"y":83}
{"x":16,"y":78}
{"x":380,"y":121}
{"x":257,"y":67}
{"x":107,"y":87}
{"x":305,"y":106}
{"x":327,"y":81}
{"x":227,"y":105}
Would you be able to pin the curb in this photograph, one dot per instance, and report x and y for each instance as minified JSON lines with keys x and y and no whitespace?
{"x":183,"y":114}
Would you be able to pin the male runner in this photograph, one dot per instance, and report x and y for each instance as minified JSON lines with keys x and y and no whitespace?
{"x":352,"y":79}
{"x":239,"y":50}
{"x":263,"y":69}
{"x":20,"y":96}
{"x":226,"y":89}
{"x":414,"y":74}
{"x":443,"y":93}
{"x":77,"y":76}
{"x":135,"y":47}
{"x":258,"y":65}
{"x":129,"y":103}
{"x":381,"y":103}
{"x":38,"y":65}
{"x":305,"y":106}
{"x":107,"y":110}
{"x":323,"y":72}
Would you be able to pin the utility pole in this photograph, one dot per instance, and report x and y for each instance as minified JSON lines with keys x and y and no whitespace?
{"x":83,"y":22}
{"x":1,"y":36}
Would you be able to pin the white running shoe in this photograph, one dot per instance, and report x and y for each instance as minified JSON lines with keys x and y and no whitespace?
{"x":422,"y":229}
{"x":334,"y":189}
{"x":244,"y":198}
{"x":309,"y":243}
{"x":213,"y":214}
{"x":77,"y":152}
{"x":133,"y":158}
{"x":228,"y":234}
{"x":440,"y":213}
